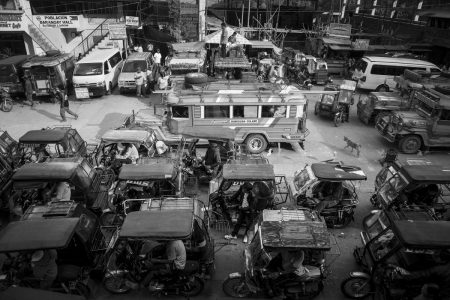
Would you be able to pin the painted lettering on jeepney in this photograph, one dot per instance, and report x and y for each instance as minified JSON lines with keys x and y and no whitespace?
{"x":254,"y":121}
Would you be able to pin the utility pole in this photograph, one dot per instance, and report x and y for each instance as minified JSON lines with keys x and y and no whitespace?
{"x":248,"y":15}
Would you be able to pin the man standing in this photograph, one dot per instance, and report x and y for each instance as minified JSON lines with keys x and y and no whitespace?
{"x":43,"y":263}
{"x":139,"y":80}
{"x":157,"y":60}
{"x":64,"y":105}
{"x":223,"y":40}
{"x":212,"y":160}
{"x":29,"y":90}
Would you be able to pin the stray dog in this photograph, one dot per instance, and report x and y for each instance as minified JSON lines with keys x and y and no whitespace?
{"x":352,"y":145}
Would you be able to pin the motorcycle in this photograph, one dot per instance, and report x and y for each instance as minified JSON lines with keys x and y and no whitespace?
{"x":339,"y":116}
{"x":6,"y":100}
{"x":133,"y":271}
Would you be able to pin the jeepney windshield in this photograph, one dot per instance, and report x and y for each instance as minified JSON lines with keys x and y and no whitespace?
{"x":301,"y":179}
{"x":392,"y":188}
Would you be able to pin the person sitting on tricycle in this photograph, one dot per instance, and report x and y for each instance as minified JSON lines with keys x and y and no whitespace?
{"x":245,"y":199}
{"x":211,"y":161}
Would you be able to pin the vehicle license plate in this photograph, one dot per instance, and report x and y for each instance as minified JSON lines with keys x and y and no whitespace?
{"x":82,"y":93}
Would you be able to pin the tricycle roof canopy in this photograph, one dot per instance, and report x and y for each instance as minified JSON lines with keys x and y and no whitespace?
{"x":427,"y":173}
{"x":301,"y":229}
{"x":43,"y":136}
{"x":248,"y":172}
{"x":126,"y":136}
{"x":423,"y":234}
{"x":157,"y":169}
{"x":162,"y":224}
{"x":47,"y":61}
{"x":37,"y":234}
{"x":336,"y":172}
{"x":23,"y":293}
{"x":47,"y":171}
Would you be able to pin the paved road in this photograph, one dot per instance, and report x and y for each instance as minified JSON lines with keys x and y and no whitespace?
{"x":324,"y":142}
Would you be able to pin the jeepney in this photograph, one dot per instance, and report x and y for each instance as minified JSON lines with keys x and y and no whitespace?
{"x":428,"y":125}
{"x":11,"y":74}
{"x":376,"y":105}
{"x":50,"y":71}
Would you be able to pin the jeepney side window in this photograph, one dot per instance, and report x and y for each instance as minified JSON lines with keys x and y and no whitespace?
{"x":273,"y":111}
{"x":217,"y":111}
{"x":245,"y":111}
{"x":180,"y":112}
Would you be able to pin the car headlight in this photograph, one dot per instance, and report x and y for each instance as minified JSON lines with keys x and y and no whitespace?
{"x":76,"y":85}
{"x":101,"y":83}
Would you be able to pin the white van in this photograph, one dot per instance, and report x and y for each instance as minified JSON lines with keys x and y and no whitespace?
{"x":378,"y":72}
{"x":97,"y":73}
{"x":135,"y":60}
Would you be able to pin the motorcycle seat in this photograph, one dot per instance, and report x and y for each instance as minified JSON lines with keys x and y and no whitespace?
{"x":68,"y":272}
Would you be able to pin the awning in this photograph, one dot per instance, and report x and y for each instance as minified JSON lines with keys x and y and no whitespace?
{"x":336,"y":41}
{"x":214,"y":38}
{"x":436,"y":13}
{"x":188,"y":47}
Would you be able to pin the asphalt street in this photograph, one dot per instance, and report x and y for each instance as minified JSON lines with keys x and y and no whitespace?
{"x":324,"y":142}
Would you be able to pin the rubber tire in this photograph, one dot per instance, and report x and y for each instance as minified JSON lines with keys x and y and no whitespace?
{"x":198,"y":288}
{"x":195,"y":78}
{"x":82,"y":289}
{"x":337,"y":119}
{"x":261,"y":138}
{"x":443,"y":89}
{"x":353,"y":296}
{"x":124,"y":290}
{"x":110,"y":88}
{"x":382,"y":88}
{"x":230,"y":283}
{"x":403,"y":144}
{"x":7,"y":105}
{"x":316,"y":108}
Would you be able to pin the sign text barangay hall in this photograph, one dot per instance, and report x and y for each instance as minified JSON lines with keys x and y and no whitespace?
{"x":57,"y":21}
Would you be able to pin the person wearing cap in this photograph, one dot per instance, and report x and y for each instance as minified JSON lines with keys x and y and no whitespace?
{"x":63,"y":105}
{"x":127,"y":151}
{"x":161,"y":148}
{"x":139,"y":78}
{"x":211,"y":161}
{"x":43,"y":263}
{"x":245,"y":199}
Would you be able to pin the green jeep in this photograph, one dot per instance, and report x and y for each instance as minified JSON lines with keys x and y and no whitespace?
{"x":428,"y":125}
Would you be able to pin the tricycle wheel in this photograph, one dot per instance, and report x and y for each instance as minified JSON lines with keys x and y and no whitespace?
{"x":116,"y":283}
{"x":356,"y":287}
{"x":193,"y":288}
{"x":236,"y":288}
{"x":7,"y":105}
{"x":316,"y":109}
{"x":337,"y":119}
{"x":410,"y":144}
{"x":82,"y":290}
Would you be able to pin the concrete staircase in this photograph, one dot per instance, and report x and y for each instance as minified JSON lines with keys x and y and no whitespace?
{"x":39,"y":37}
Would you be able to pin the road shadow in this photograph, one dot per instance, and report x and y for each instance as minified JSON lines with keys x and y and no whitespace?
{"x":48,"y":114}
{"x":109,"y":121}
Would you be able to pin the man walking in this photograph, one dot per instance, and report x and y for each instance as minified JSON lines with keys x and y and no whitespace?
{"x":157,"y":60}
{"x":139,"y":80}
{"x":64,"y":105}
{"x":29,"y":90}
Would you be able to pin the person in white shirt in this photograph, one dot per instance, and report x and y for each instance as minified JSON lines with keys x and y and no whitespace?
{"x":127,"y":151}
{"x":139,"y":48}
{"x":163,"y":82}
{"x":157,"y":58}
{"x":139,"y":78}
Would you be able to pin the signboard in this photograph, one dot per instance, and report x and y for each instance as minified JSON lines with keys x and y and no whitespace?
{"x":132,"y":21}
{"x":361,"y":44}
{"x":11,"y":22}
{"x":340,"y":30}
{"x":57,"y":21}
{"x":117,"y":31}
{"x":82,"y":93}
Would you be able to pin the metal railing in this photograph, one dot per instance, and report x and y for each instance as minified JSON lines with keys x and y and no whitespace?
{"x":89,"y":42}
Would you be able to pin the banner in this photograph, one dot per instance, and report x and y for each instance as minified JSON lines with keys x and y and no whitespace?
{"x":361,"y":44}
{"x":57,"y":21}
{"x":340,"y":30}
{"x":11,"y":22}
{"x":132,"y":21}
{"x":117,"y":31}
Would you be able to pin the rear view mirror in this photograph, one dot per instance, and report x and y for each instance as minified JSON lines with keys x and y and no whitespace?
{"x":106,"y":71}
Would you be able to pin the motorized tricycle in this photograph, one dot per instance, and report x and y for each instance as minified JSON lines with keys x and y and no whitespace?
{"x":329,"y":188}
{"x":337,"y":106}
{"x":390,"y":245}
{"x":37,"y":183}
{"x":268,"y":189}
{"x":6,"y":102}
{"x":143,"y":237}
{"x":420,"y":186}
{"x":68,"y":228}
{"x":57,"y":141}
{"x":275,"y":237}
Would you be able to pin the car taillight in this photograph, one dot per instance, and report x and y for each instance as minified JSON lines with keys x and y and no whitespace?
{"x":363,"y":79}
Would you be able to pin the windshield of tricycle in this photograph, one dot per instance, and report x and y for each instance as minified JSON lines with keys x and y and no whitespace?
{"x":390,"y":190}
{"x":327,"y":99}
{"x":256,"y":256}
{"x":140,"y":189}
{"x":384,"y":175}
{"x":302,"y":178}
{"x":345,"y":96}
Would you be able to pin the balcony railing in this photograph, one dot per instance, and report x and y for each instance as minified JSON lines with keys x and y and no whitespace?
{"x":91,"y":40}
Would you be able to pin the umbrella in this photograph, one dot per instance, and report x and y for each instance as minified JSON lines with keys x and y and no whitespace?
{"x":214,"y":38}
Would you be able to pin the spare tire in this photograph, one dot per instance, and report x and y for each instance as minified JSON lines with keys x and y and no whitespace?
{"x":444,"y":89}
{"x":196,"y":78}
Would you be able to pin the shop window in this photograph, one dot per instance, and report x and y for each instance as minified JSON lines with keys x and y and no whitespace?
{"x":217,"y":111}
{"x":245,"y":111}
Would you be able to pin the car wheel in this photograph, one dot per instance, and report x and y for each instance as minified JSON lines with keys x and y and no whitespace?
{"x":110,"y":88}
{"x":410,"y":144}
{"x":7,"y":105}
{"x":256,"y":143}
{"x":316,"y":109}
{"x":236,"y":288}
{"x":382,"y":88}
{"x":356,"y":287}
